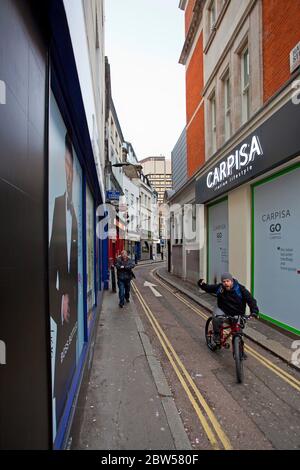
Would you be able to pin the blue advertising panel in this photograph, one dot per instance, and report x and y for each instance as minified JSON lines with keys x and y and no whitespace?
{"x":65,"y":261}
{"x":90,"y":254}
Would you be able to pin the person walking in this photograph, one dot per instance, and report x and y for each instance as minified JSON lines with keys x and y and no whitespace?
{"x":124,"y":266}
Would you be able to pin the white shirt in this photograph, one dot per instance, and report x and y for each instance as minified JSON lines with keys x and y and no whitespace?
{"x":69,"y":232}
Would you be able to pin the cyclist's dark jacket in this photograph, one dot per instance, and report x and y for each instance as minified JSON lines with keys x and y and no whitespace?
{"x":125,"y":273}
{"x":232,"y":302}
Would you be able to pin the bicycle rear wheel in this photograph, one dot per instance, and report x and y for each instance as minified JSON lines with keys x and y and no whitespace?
{"x":209,"y":333}
{"x":238,"y":353}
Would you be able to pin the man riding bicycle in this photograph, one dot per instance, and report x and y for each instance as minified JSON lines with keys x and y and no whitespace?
{"x":232,"y":298}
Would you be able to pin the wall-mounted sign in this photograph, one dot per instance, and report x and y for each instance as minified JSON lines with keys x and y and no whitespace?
{"x":113,"y":195}
{"x":217,"y":241}
{"x":276,"y":261}
{"x":295,"y":58}
{"x":235,"y":164}
{"x":273,"y":143}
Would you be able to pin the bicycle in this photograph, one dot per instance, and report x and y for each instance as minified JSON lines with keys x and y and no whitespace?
{"x":232,"y":328}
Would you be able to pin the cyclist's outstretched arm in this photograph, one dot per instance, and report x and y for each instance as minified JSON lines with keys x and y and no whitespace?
{"x":210,"y":288}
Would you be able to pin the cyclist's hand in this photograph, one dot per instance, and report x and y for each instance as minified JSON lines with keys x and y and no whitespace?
{"x":200,"y":282}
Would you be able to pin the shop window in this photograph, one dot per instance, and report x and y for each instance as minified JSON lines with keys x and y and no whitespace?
{"x":227,"y":106}
{"x":212,"y":14}
{"x":213,"y":122}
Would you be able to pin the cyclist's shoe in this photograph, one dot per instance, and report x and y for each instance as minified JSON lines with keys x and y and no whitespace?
{"x":217,"y":339}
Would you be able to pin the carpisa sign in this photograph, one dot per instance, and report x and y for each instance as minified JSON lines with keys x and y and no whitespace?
{"x":273,"y":143}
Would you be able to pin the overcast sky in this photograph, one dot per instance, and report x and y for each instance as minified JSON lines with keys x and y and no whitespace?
{"x":144,"y":39}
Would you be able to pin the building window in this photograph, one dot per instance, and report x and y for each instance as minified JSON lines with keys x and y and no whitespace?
{"x":245,"y":82}
{"x":227,"y":106}
{"x":97,"y":33}
{"x":212,"y":15}
{"x":213,"y":117}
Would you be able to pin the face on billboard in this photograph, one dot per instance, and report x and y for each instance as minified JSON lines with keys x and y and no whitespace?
{"x":69,"y":172}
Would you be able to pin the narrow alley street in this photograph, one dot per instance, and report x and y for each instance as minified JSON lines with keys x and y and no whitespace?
{"x":150,"y":228}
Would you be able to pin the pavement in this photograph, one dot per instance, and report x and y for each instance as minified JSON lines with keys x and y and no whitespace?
{"x":270,"y":338}
{"x":128,"y":404}
{"x":149,"y":261}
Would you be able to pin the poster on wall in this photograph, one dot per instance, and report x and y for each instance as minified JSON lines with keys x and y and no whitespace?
{"x":276,"y":224}
{"x":65,"y":261}
{"x":217,"y":241}
{"x":90,"y":247}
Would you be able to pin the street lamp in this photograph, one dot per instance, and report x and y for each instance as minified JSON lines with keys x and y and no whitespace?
{"x":130,"y":169}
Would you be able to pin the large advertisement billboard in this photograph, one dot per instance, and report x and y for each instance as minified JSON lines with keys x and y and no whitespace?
{"x":276,"y":248}
{"x":217,"y":241}
{"x":90,"y":255}
{"x":65,"y":260}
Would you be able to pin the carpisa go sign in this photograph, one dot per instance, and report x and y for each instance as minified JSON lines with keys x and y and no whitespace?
{"x":272,"y":143}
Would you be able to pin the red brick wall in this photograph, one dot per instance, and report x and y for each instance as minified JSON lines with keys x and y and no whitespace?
{"x":189,"y":14}
{"x":194,"y":80}
{"x":195,"y":142}
{"x":281,"y":32}
{"x":195,"y":125}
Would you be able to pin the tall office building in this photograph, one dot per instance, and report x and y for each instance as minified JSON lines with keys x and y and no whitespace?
{"x":159,"y":172}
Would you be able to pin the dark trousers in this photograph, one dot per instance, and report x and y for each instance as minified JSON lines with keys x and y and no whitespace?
{"x":218,"y":319}
{"x":124,"y":290}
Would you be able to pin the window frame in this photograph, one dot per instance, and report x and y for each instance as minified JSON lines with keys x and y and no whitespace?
{"x":245,"y":84}
{"x":213,"y":120}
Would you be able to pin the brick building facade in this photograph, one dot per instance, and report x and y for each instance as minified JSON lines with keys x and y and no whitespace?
{"x":243,"y":149}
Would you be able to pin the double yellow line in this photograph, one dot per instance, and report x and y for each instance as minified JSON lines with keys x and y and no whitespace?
{"x":209,"y":422}
{"x":292,"y":381}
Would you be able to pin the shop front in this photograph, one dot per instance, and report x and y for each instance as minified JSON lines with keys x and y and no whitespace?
{"x":252,"y":200}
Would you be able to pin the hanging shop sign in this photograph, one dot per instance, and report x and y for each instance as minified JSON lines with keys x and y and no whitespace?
{"x":272,"y":143}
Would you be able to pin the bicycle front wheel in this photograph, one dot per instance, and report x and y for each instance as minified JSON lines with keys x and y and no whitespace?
{"x":209,"y":334}
{"x":238,"y":353}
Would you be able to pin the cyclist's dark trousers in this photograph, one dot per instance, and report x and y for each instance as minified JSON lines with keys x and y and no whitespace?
{"x":218,"y":320}
{"x":124,"y":290}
